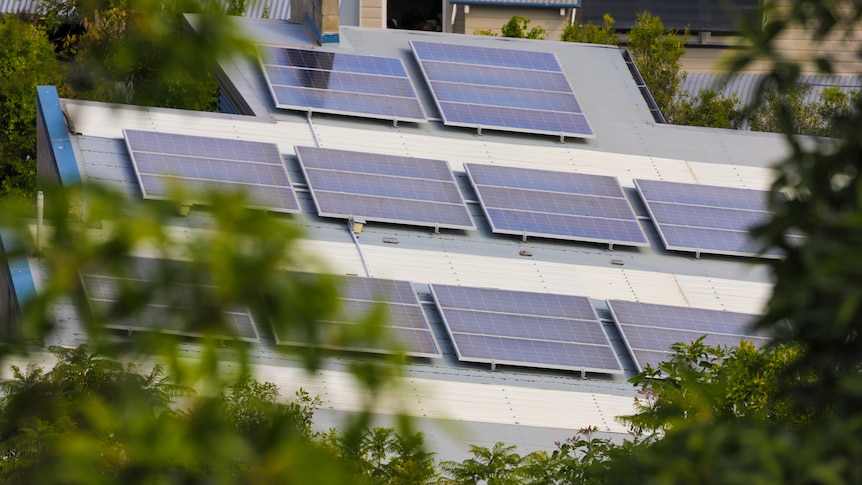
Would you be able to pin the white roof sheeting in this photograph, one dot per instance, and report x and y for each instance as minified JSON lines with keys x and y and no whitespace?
{"x":561,"y":158}
{"x":602,"y":283}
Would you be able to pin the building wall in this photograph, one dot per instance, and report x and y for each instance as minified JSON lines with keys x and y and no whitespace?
{"x":371,"y":13}
{"x":489,"y":17}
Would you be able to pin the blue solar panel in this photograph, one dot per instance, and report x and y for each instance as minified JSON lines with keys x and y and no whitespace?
{"x":383,"y":188}
{"x":542,"y":203}
{"x":165,"y":311}
{"x":486,"y":56}
{"x":706,"y":219}
{"x":196,"y":163}
{"x":525,"y":329}
{"x":328,"y":82}
{"x":340,"y":81}
{"x":406,"y":326}
{"x":505,"y":89}
{"x":505,"y":97}
{"x":496,"y":76}
{"x":515,"y":119}
{"x":649,"y":330}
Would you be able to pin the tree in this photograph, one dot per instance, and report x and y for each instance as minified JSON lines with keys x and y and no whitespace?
{"x":591,"y":33}
{"x":26,"y":60}
{"x":114,"y":435}
{"x":498,"y":465}
{"x":823,"y":117}
{"x":708,"y":108}
{"x":119,"y":59}
{"x":816,"y":291}
{"x":657,"y":52}
{"x":516,"y":27}
{"x":383,"y":455}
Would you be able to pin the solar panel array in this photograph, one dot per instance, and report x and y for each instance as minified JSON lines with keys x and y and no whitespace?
{"x":405,"y":322}
{"x":383,"y":188}
{"x":525,"y":329}
{"x":198,"y":163}
{"x":558,"y":205}
{"x":649,"y":330}
{"x":503,"y":89}
{"x":165,"y":312}
{"x":328,"y":82}
{"x":704,"y":218}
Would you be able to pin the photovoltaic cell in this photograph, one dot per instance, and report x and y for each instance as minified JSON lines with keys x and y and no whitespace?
{"x":504,"y":89}
{"x":383,"y":188}
{"x":706,"y":219}
{"x":649,"y":330}
{"x":406,"y":326}
{"x":525,"y":329}
{"x":580,"y":207}
{"x":350,"y":84}
{"x":196,"y":163}
{"x":166,"y":310}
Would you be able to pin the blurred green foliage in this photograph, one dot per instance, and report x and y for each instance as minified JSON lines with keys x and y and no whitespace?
{"x":26,"y":60}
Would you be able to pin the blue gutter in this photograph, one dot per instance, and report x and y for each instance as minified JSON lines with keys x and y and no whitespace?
{"x":50,"y":114}
{"x":20,"y":275}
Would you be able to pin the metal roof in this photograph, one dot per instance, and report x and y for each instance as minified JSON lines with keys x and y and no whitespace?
{"x":19,"y":6}
{"x":744,"y":86}
{"x":628,"y":145}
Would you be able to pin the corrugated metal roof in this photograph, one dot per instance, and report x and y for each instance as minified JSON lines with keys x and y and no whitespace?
{"x":19,"y":6}
{"x":600,"y":283}
{"x":744,"y":85}
{"x":271,"y":9}
{"x":628,"y":145}
{"x":562,"y":158}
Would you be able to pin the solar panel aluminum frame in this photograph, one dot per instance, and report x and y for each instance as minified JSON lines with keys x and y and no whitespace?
{"x":309,"y":110}
{"x":525,"y":234}
{"x":688,"y":249}
{"x":479,"y":127}
{"x":371,"y":350}
{"x":619,"y":324}
{"x":493,"y":362}
{"x":250,"y":186}
{"x":138,"y":327}
{"x":323,"y":213}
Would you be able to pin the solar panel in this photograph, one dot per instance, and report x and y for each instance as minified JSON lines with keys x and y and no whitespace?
{"x":165,"y":312}
{"x":405,"y":321}
{"x":196,"y":163}
{"x":383,"y":188}
{"x":502,"y":89}
{"x":559,"y":205}
{"x":706,"y":219}
{"x":525,"y":329}
{"x":649,"y":330}
{"x":328,"y":82}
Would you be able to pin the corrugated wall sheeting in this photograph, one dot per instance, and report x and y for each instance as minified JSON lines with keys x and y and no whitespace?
{"x":570,"y":279}
{"x":272,"y":9}
{"x":560,"y":158}
{"x":19,"y":6}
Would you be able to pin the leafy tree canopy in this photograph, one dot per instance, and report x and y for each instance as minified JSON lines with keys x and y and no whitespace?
{"x":591,"y":33}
